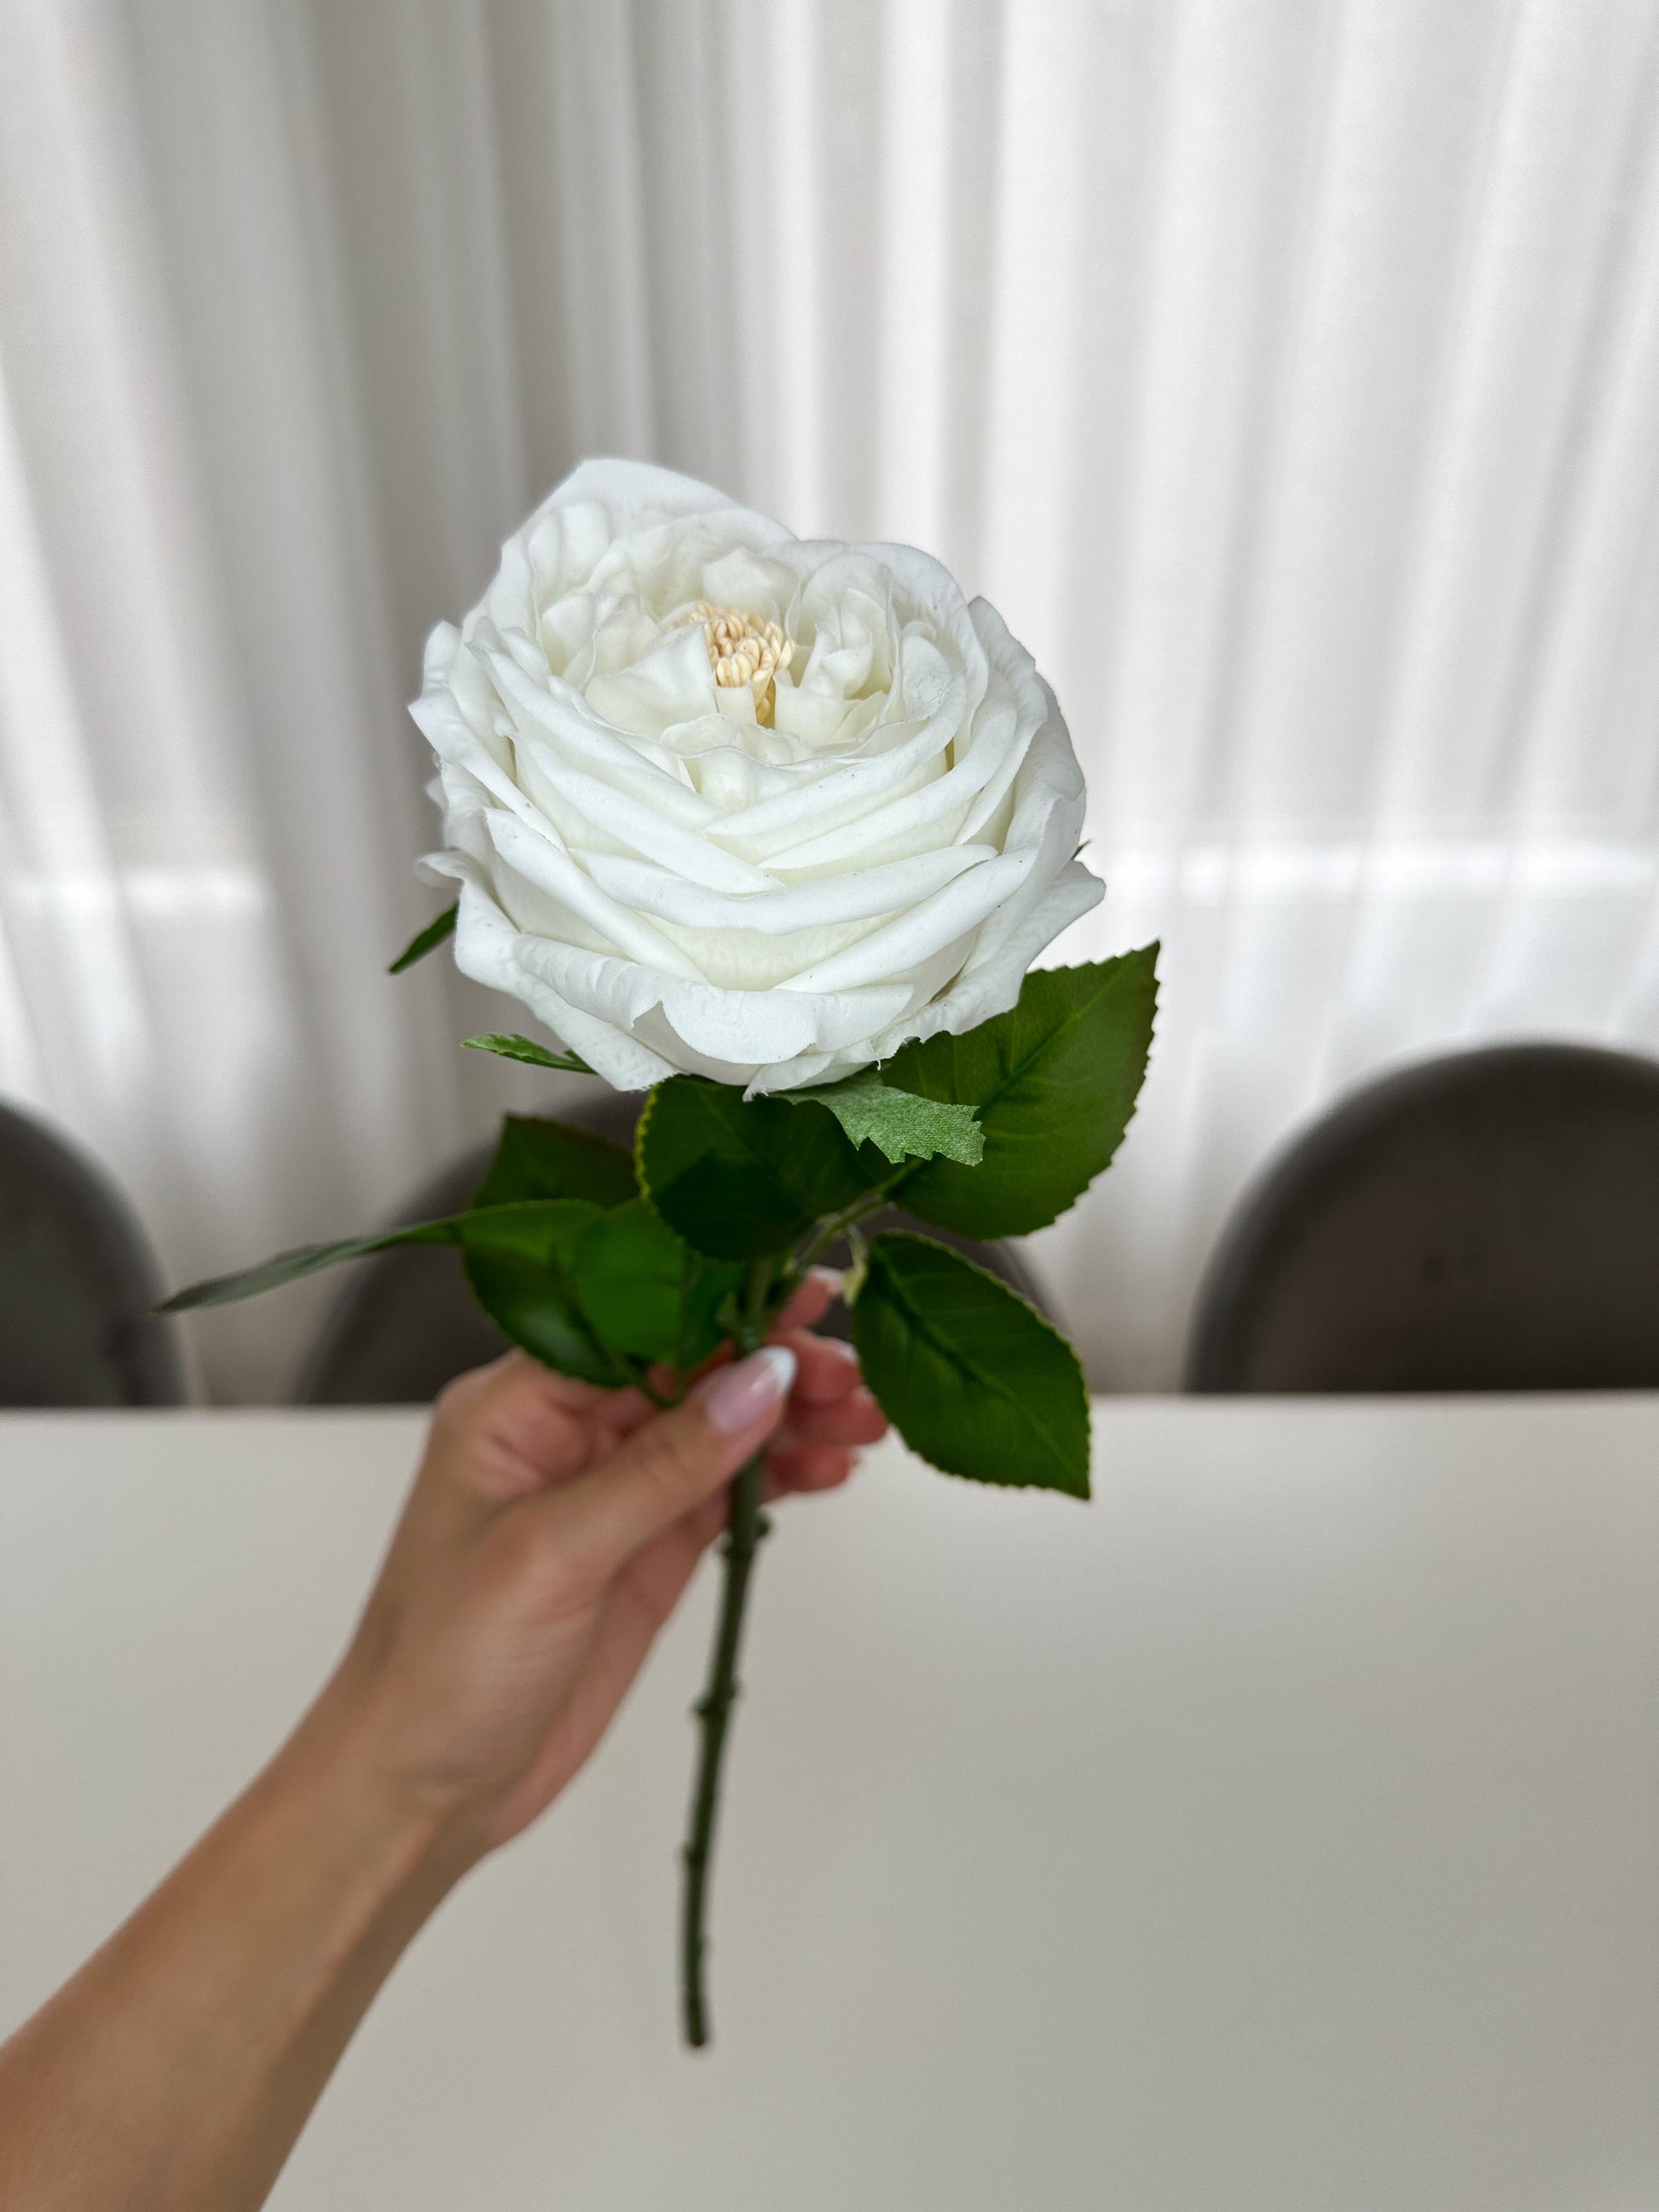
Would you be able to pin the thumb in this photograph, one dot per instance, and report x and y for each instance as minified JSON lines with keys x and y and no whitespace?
{"x":671,"y":1464}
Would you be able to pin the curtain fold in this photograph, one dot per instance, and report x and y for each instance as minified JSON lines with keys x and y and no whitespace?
{"x":1287,"y":371}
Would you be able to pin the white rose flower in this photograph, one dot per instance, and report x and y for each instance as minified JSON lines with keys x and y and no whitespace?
{"x":726,"y":802}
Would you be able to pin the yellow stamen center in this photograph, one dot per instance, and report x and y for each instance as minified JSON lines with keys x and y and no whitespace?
{"x":743,"y":651}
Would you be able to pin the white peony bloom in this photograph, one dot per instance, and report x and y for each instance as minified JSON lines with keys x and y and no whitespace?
{"x":720,"y":800}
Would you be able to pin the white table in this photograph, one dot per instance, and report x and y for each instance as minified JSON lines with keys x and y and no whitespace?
{"x":1282,"y":1831}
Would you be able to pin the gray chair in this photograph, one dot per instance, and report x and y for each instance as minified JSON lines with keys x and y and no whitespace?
{"x":77,"y":1281}
{"x":404,"y":1324}
{"x":1488,"y":1221}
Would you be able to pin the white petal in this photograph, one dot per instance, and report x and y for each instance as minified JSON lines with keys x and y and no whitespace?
{"x":673,"y":683}
{"x":441,"y":647}
{"x":938,"y":922}
{"x":916,"y":820}
{"x":858,"y":897}
{"x":465,"y":759}
{"x":739,"y":1027}
{"x":560,"y":724}
{"x":542,"y":861}
{"x":747,"y":1028}
{"x":634,"y":824}
{"x":484,"y":950}
{"x":990,"y":980}
{"x":843,"y":791}
{"x":805,"y":1069}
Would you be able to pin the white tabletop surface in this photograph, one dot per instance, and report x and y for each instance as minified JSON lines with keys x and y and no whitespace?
{"x":1281,"y":1831}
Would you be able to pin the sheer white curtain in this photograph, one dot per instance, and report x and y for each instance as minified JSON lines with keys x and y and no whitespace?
{"x":1287,"y":371}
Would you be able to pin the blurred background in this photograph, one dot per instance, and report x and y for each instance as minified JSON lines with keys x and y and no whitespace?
{"x":1287,"y":371}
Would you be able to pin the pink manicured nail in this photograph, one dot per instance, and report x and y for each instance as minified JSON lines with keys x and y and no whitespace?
{"x":735,"y":1398}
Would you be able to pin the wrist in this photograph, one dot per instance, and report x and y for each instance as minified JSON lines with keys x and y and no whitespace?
{"x":340,"y":1774}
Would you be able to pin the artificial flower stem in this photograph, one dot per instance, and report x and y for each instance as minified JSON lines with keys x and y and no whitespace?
{"x":714,"y":1711}
{"x":840,"y":1224}
{"x":745,"y":1525}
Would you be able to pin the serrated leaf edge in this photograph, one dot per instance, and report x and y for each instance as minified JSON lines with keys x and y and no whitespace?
{"x":872,"y":1078}
{"x":1085,"y":1496}
{"x":1154,"y":945}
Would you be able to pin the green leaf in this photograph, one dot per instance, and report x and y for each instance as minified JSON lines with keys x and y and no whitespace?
{"x":308,"y":1258}
{"x":426,"y":941}
{"x":304,"y":1259}
{"x":526,"y":1049}
{"x":521,"y":1262}
{"x":739,"y":1179}
{"x":647,"y":1292}
{"x":538,"y":1158}
{"x":972,"y":1377}
{"x":1053,"y":1081}
{"x":901,"y":1125}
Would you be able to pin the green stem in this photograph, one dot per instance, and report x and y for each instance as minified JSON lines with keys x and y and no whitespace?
{"x":836,"y":1225}
{"x":745,"y":1525}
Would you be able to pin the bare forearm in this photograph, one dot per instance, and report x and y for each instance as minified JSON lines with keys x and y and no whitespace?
{"x":178,"y":2066}
{"x":551,"y":1527}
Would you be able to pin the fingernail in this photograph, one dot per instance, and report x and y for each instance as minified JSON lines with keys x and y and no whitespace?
{"x":735,"y":1398}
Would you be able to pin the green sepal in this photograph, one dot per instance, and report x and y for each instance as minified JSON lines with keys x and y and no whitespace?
{"x":901,"y":1124}
{"x":526,"y":1049}
{"x":973,"y":1378}
{"x":426,"y":941}
{"x":648,"y":1293}
{"x":1054,"y":1082}
{"x":738,"y":1178}
{"x":540,"y":1158}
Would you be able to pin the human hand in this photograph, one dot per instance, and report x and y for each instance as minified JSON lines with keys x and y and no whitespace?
{"x":551,"y":1527}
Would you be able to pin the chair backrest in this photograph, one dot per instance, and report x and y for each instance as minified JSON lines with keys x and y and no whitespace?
{"x":77,"y":1281}
{"x":1489,"y":1221}
{"x":404,"y":1323}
